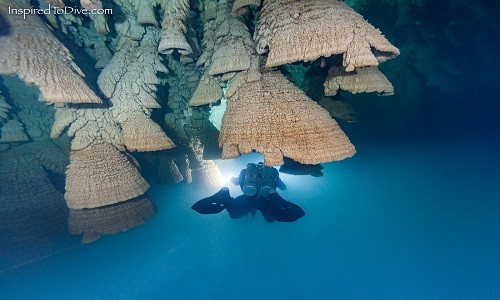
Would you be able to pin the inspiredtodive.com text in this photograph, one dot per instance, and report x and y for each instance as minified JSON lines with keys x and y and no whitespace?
{"x":51,"y":9}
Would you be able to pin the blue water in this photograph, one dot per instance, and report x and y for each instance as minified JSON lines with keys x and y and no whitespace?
{"x":414,"y":215}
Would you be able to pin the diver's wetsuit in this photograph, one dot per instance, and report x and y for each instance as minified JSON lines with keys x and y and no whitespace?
{"x":258,"y":183}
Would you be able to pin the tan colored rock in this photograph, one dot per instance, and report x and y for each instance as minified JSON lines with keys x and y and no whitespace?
{"x":273,"y":117}
{"x":174,"y":28}
{"x":100,"y":23}
{"x":142,"y":134}
{"x":361,"y":80}
{"x":228,"y":50}
{"x":229,"y":58}
{"x":204,"y":172}
{"x":110,"y":176}
{"x":295,"y":30}
{"x":229,"y":45}
{"x":31,"y":52}
{"x":208,"y":91}
{"x":129,"y":81}
{"x":87,"y":126}
{"x":101,"y":175}
{"x":127,"y":30}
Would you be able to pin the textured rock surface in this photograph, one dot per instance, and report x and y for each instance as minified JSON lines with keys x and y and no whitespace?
{"x":129,"y":81}
{"x":294,"y":30}
{"x":274,"y":118}
{"x":227,"y":50}
{"x":87,"y":126}
{"x":12,"y":131}
{"x":31,"y":52}
{"x":205,"y":173}
{"x":265,"y":113}
{"x":361,"y":80}
{"x":101,"y":175}
{"x":169,"y":172}
{"x":174,"y":28}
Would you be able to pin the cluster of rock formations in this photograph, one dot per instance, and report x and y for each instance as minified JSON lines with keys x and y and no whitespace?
{"x":176,"y":59}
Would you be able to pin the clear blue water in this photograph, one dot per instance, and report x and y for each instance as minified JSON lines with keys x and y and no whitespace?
{"x":414,"y":215}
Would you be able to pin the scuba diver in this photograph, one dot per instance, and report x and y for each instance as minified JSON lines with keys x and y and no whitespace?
{"x":258,"y":183}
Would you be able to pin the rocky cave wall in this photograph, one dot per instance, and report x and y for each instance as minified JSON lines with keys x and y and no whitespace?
{"x":145,"y":79}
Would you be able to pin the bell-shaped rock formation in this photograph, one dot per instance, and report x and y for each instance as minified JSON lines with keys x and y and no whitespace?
{"x":174,"y":28}
{"x":101,"y":175}
{"x":273,"y":117}
{"x":98,"y":174}
{"x":361,"y":80}
{"x":295,"y":30}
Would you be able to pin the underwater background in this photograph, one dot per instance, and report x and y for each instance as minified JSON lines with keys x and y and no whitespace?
{"x":414,"y":214}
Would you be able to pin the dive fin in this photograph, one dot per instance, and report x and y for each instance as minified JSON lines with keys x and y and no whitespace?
{"x":282,"y":210}
{"x":213,"y":204}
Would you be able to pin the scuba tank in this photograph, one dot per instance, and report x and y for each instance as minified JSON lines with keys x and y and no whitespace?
{"x":267,"y":180}
{"x":251,"y":182}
